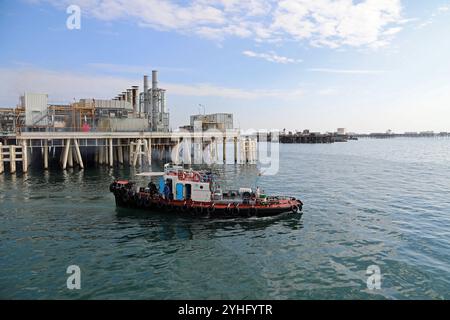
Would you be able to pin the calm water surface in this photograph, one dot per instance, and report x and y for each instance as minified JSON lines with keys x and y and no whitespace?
{"x":382,"y":202}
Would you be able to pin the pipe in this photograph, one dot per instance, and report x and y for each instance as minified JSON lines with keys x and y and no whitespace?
{"x":154,"y":79}
{"x":134,"y":97}
{"x":146,"y":99}
{"x":129,"y":96}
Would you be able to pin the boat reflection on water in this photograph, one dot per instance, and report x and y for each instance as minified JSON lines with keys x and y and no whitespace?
{"x":156,"y":226}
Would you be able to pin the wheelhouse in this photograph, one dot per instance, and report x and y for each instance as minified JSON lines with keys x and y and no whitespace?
{"x":180,"y":184}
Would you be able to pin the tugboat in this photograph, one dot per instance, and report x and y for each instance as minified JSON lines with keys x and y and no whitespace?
{"x":196,"y":193}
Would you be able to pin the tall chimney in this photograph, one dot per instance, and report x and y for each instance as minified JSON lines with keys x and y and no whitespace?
{"x":154,"y":79}
{"x":134,"y":97}
{"x":146,"y":94}
{"x":129,"y":96}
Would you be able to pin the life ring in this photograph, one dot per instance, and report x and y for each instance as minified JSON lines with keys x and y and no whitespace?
{"x":196,"y":177}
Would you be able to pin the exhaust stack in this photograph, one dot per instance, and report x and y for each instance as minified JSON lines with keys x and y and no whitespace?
{"x":146,"y":98}
{"x":134,"y":97}
{"x":154,"y":79}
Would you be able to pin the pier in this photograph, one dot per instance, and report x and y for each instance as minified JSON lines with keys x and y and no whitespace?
{"x":314,"y":137}
{"x":78,"y":149}
{"x":390,"y":135}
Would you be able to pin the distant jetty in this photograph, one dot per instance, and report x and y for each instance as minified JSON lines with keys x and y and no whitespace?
{"x":306,"y":136}
{"x":389,"y":135}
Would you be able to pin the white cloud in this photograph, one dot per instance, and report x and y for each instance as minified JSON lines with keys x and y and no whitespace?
{"x":329,"y":23}
{"x":425,"y":24}
{"x":347,"y":71}
{"x":328,"y":92}
{"x":271,"y":57}
{"x":338,"y":23}
{"x":206,"y":90}
{"x":131,"y":69}
{"x":63,"y":87}
{"x":442,"y":10}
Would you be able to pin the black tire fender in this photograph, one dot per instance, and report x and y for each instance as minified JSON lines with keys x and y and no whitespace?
{"x":199,"y":209}
{"x":229,"y":210}
{"x":236,"y":209}
{"x":211,"y":208}
{"x":147,"y":202}
{"x":160,"y":205}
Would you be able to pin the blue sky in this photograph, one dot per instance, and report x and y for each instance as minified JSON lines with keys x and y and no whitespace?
{"x":368,"y":65}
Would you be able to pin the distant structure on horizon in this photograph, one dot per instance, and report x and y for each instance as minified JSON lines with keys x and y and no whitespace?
{"x":341,"y":131}
{"x":306,"y":136}
{"x":204,"y":122}
{"x":409,"y":134}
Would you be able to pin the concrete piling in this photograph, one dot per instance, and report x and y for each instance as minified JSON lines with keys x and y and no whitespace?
{"x":111,"y":154}
{"x":24,"y":156}
{"x":2,"y":166}
{"x":120,"y":154}
{"x":133,"y":148}
{"x":45,"y":151}
{"x":12,"y":159}
{"x":78,"y":154}
{"x":70,"y":158}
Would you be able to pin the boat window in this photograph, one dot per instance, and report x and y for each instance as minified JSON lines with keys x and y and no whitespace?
{"x":188,"y":191}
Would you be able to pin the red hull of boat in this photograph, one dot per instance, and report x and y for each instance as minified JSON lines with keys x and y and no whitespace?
{"x":143,"y":200}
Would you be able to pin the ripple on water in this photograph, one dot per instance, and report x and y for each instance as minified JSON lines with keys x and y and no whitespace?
{"x":367,"y":202}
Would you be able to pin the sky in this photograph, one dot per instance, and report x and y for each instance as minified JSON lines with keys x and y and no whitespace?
{"x":365,"y":65}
